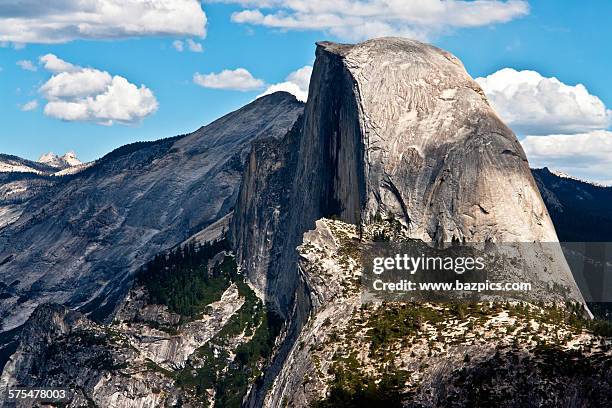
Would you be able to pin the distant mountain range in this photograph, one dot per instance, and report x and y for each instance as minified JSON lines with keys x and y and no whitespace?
{"x":14,"y":164}
{"x":47,"y":164}
{"x":581,"y":211}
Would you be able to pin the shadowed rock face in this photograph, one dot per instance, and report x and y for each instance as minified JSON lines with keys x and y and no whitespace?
{"x":261,"y":216}
{"x":78,"y":242}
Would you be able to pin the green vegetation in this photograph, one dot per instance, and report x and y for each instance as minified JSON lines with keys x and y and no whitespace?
{"x":352,"y":389}
{"x":599,"y":326}
{"x":183,"y":281}
{"x":381,"y":236}
{"x":397,"y":322}
{"x":230,"y":378}
{"x":557,"y":377}
{"x":375,"y":380}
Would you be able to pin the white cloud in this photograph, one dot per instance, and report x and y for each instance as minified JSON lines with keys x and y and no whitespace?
{"x":33,"y":21}
{"x":29,"y":106}
{"x":52,"y":63}
{"x":585,"y":155}
{"x":194,"y":46}
{"x":27,"y":65}
{"x":191,"y":45}
{"x":76,"y":84}
{"x":360,"y":19}
{"x":296,"y":83}
{"x":91,"y":95}
{"x":532,"y":104}
{"x":301,"y":77}
{"x":239,"y":80}
{"x":565,"y":125}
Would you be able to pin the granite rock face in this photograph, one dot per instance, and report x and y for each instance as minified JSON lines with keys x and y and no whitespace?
{"x":393,"y":128}
{"x":397,"y":128}
{"x":263,"y":209}
{"x":79,"y":241}
{"x":404,"y":130}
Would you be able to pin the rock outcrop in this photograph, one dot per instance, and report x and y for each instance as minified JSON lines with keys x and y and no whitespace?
{"x":263,"y":209}
{"x":393,"y":128}
{"x":397,"y":126}
{"x":507,"y":354}
{"x":149,"y":356}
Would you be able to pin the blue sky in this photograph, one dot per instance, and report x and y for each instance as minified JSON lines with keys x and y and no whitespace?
{"x":566,"y":40}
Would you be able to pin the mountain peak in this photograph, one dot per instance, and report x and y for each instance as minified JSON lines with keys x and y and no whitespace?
{"x":61,"y":162}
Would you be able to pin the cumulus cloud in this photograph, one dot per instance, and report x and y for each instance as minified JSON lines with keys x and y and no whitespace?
{"x":585,"y":155}
{"x":27,"y":65}
{"x":53,"y":64}
{"x":76,"y":84}
{"x":239,"y":80}
{"x":33,"y":21}
{"x":562,"y":126}
{"x":532,"y":104}
{"x":296,"y":83}
{"x":74,"y":93}
{"x":191,"y":45}
{"x":29,"y":106}
{"x":360,"y":19}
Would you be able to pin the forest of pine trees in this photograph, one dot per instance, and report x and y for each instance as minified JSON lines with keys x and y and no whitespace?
{"x":182,"y":280}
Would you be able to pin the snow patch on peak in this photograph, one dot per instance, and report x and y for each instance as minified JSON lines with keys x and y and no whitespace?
{"x":71,"y":159}
{"x":67,"y":160}
{"x":48,"y":158}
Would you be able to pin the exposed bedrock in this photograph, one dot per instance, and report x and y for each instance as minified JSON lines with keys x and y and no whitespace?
{"x":433,"y":152}
{"x":398,"y":128}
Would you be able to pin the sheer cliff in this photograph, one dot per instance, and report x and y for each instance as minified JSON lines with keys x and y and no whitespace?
{"x":403,"y":129}
{"x":398,"y":128}
{"x":393,"y":129}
